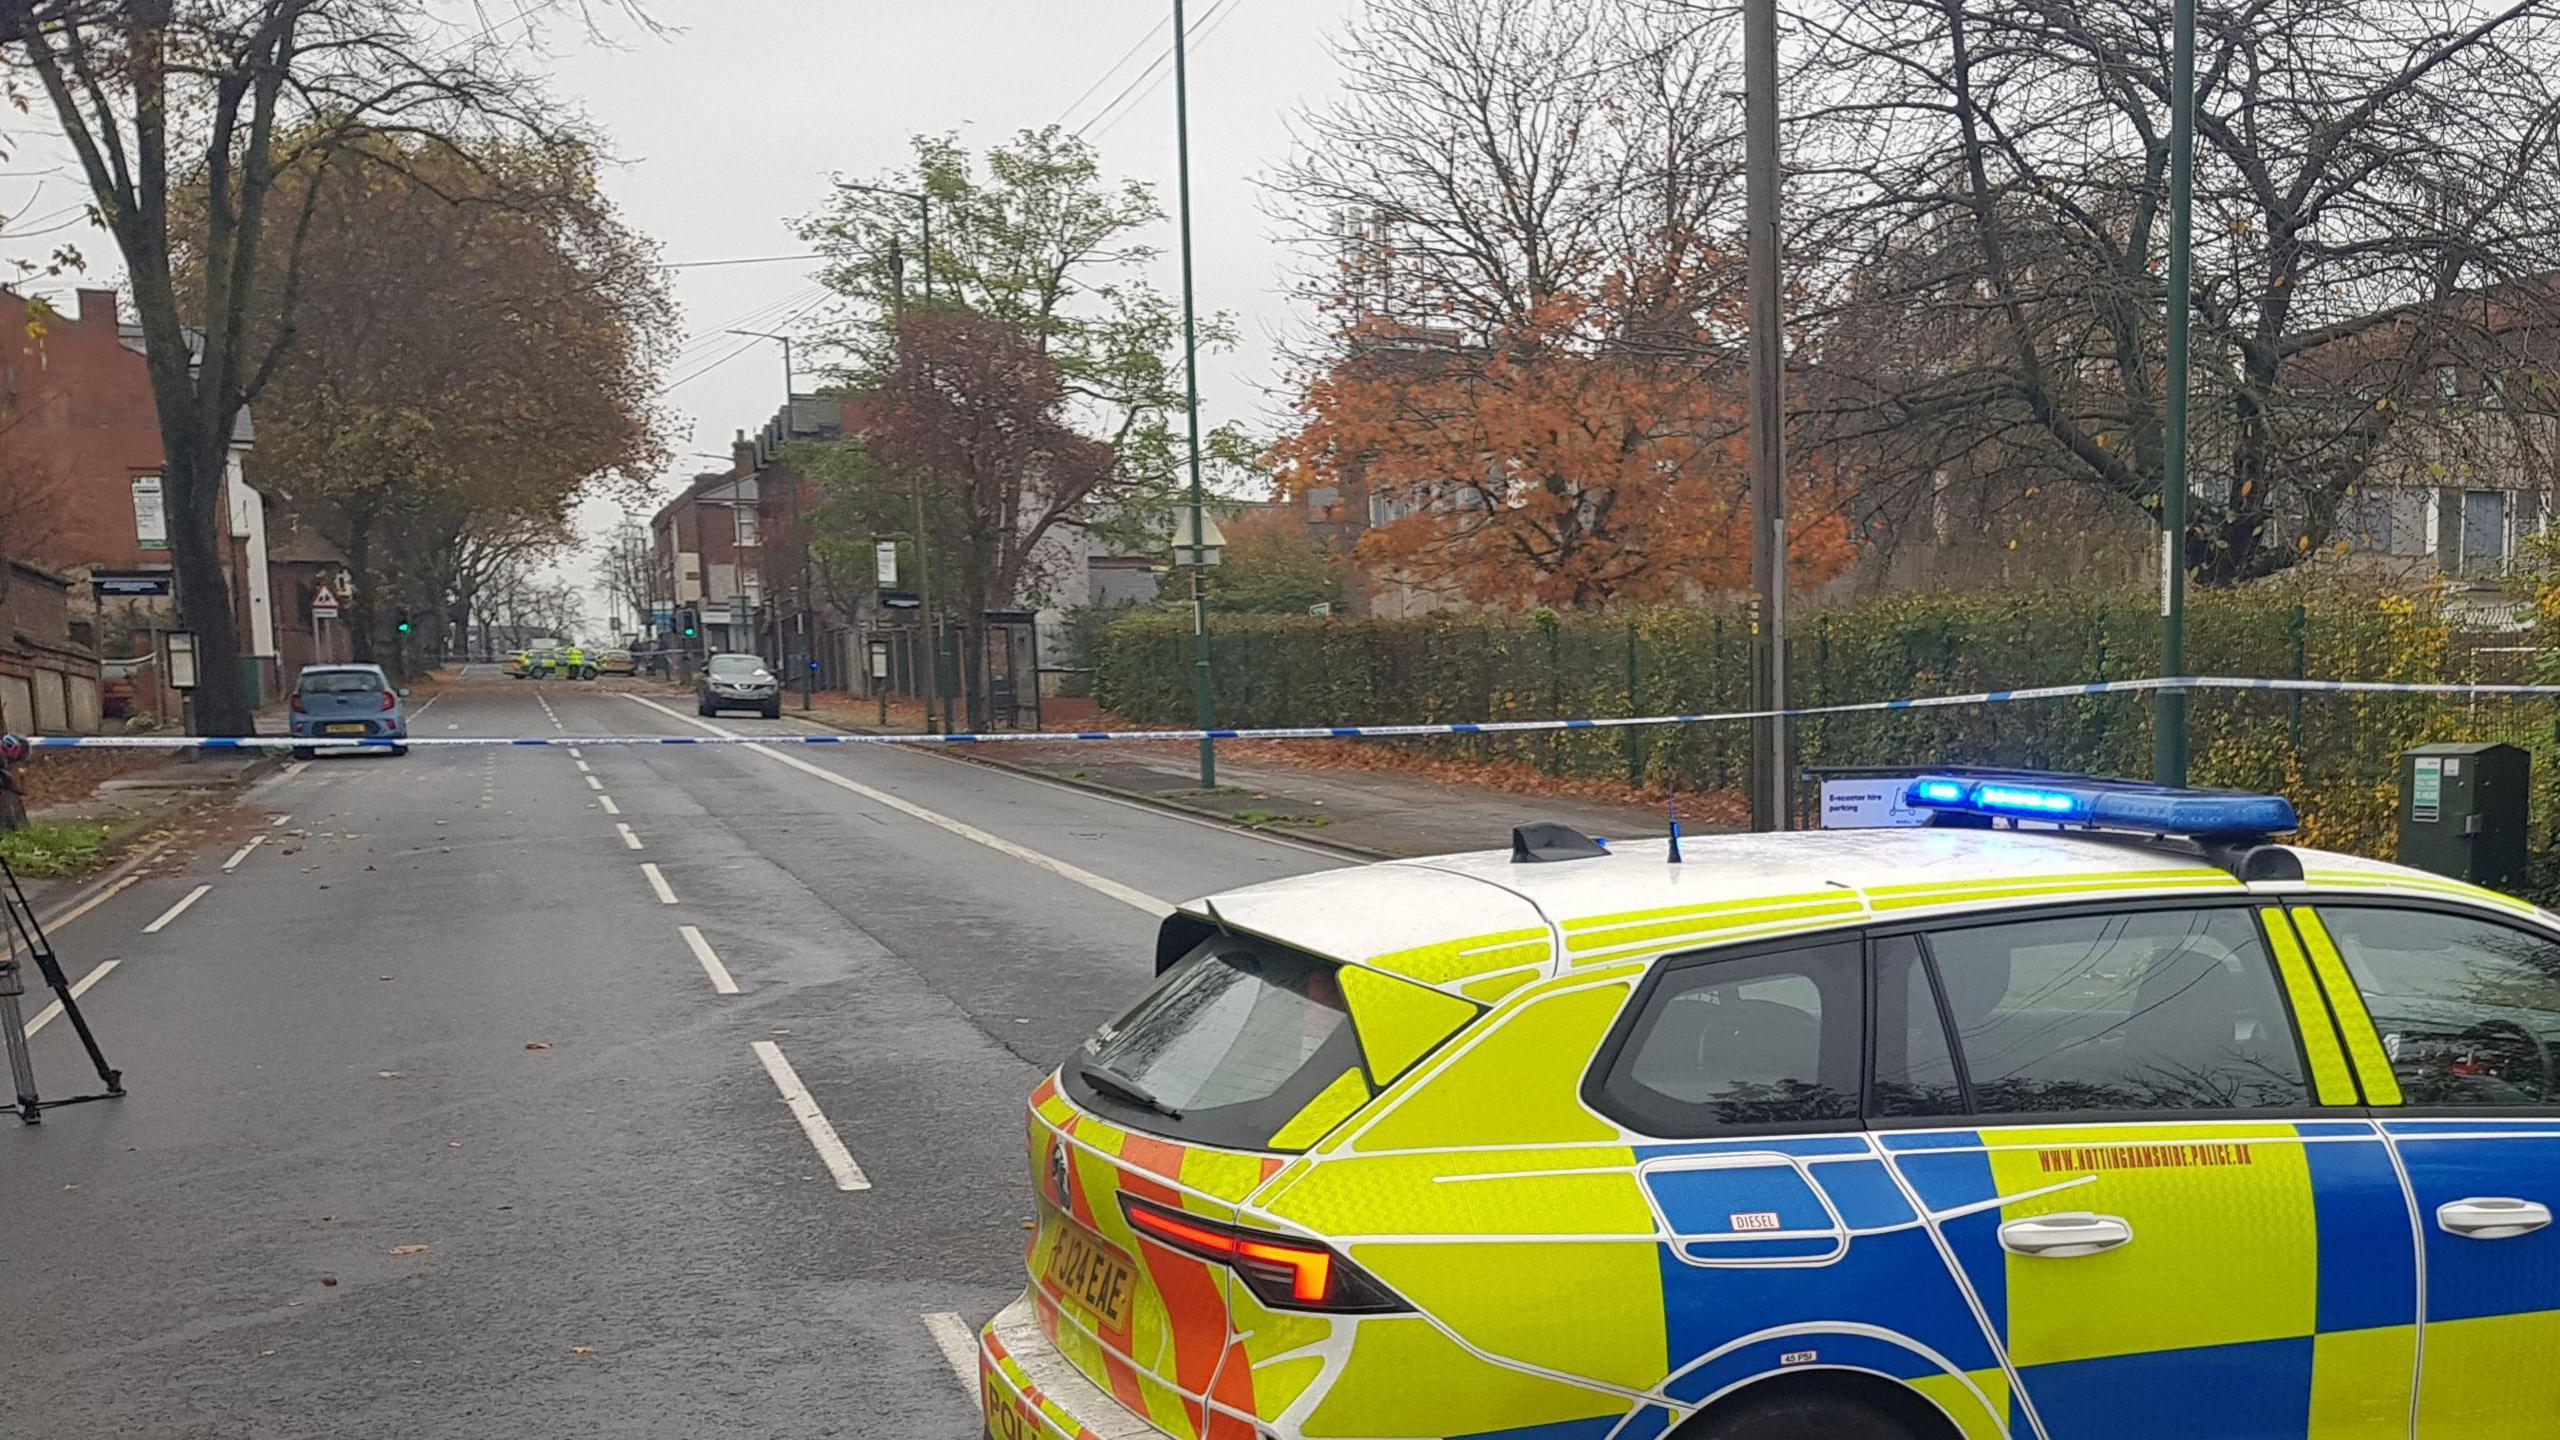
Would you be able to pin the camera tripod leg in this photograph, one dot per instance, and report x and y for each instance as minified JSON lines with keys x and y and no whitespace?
{"x":13,"y":1038}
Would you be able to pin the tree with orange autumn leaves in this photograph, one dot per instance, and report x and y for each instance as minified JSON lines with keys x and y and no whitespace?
{"x":1545,"y":467}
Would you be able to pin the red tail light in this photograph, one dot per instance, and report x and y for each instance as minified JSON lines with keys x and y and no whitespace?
{"x":298,"y":706}
{"x":389,"y":699}
{"x":1283,"y":1271}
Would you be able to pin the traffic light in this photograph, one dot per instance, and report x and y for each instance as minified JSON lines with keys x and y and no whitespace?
{"x":692,"y":624}
{"x":402,"y":617}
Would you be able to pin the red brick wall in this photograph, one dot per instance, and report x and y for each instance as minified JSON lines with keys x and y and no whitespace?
{"x":84,"y":424}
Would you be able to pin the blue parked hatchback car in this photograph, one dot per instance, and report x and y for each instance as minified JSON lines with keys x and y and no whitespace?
{"x":347,"y":704}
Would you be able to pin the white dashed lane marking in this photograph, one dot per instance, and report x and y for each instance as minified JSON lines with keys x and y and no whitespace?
{"x":721,"y":980}
{"x":658,"y":882}
{"x":629,"y":840}
{"x":959,"y":1347}
{"x":813,"y":1121}
{"x":174,"y":911}
{"x":242,"y":853}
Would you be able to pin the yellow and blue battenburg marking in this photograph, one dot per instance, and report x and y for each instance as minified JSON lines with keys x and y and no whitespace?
{"x":1562,"y":1277}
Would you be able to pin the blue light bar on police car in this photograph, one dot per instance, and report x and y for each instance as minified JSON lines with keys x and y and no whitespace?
{"x":2110,"y":804}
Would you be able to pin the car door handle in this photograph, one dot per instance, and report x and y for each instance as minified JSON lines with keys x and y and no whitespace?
{"x":2492,"y":1217}
{"x":2060,"y":1237}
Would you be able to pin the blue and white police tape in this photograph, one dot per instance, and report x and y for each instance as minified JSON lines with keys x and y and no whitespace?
{"x":1309,"y":732}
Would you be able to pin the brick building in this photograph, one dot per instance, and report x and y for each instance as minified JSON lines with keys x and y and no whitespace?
{"x":78,"y":432}
{"x":708,"y":540}
{"x":49,"y":683}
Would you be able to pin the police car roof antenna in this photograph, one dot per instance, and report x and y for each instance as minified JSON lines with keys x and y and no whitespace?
{"x":26,"y":938}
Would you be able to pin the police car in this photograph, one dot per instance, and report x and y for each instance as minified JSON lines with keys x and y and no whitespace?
{"x":2087,"y":1110}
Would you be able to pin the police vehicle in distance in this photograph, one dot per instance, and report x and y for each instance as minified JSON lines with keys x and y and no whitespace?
{"x":2088,"y":1111}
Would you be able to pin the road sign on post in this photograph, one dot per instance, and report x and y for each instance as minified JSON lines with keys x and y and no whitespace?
{"x":324,"y":603}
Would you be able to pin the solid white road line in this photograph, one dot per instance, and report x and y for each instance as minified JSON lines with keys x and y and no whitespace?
{"x":79,"y":988}
{"x":594,"y":784}
{"x":721,"y":980}
{"x":959,"y":1347}
{"x":658,"y":882}
{"x":609,"y":807}
{"x":1102,"y":885}
{"x":629,"y":839}
{"x":242,"y":853}
{"x":58,"y":920}
{"x":174,"y":911}
{"x":813,"y":1121}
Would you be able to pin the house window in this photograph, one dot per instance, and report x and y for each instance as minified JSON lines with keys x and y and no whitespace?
{"x":747,"y":526}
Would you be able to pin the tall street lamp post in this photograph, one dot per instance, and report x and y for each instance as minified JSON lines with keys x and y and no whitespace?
{"x":2169,"y":707}
{"x":1770,"y":785}
{"x":799,"y":532}
{"x":1200,"y":686}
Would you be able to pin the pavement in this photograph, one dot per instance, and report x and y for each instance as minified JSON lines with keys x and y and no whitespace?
{"x":442,"y":1124}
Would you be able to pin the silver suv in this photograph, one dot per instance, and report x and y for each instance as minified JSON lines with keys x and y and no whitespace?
{"x":738,"y":682}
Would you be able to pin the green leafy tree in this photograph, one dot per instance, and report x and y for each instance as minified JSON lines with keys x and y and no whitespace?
{"x":1273,"y":565}
{"x":1035,"y":236}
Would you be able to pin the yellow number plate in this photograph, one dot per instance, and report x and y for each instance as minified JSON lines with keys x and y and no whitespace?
{"x":1093,"y":1275}
{"x":346,"y":729}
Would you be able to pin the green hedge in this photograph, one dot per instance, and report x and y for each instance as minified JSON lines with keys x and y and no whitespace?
{"x":2335,"y":754}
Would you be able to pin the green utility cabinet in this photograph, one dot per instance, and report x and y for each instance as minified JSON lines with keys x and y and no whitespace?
{"x":2462,"y":811}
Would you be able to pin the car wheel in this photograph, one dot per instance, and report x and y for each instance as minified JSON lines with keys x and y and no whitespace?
{"x":305,"y":752}
{"x":399,"y":750}
{"x":703,"y":708}
{"x":773,"y":711}
{"x":1802,"y":1417}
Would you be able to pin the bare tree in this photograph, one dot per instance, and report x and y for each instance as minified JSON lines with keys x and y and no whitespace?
{"x":633,"y":578}
{"x":157,"y":97}
{"x":1489,"y":156}
{"x":1982,"y":191}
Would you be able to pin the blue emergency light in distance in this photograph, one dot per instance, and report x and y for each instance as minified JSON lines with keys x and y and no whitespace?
{"x":2107,"y":804}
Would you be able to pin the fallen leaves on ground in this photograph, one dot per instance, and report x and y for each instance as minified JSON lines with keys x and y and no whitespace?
{"x":408,"y":1249}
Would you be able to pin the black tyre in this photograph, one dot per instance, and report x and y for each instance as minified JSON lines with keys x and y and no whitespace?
{"x":1803,"y":1417}
{"x":705,"y":708}
{"x":305,"y":752}
{"x":773,"y":711}
{"x":399,"y":750}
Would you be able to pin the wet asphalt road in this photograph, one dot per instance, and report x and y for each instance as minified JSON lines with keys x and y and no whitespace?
{"x":444,"y":1006}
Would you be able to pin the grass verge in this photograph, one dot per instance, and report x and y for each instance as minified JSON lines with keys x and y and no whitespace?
{"x":55,"y":849}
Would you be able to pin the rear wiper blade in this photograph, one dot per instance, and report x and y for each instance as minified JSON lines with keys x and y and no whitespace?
{"x":1106,"y":1078}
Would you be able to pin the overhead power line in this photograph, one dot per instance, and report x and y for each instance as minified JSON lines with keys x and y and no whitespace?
{"x":1154,"y":76}
{"x":1163,"y":22}
{"x":742,"y":260}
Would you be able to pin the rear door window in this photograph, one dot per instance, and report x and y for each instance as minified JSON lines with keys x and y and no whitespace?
{"x":1752,"y":1041}
{"x":1236,"y":1039}
{"x":340,"y":682}
{"x":2143,"y":1010}
{"x":2468,"y":1010}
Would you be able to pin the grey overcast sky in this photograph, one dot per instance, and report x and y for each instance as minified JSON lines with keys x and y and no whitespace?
{"x":729,"y":128}
{"x":731,"y":124}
